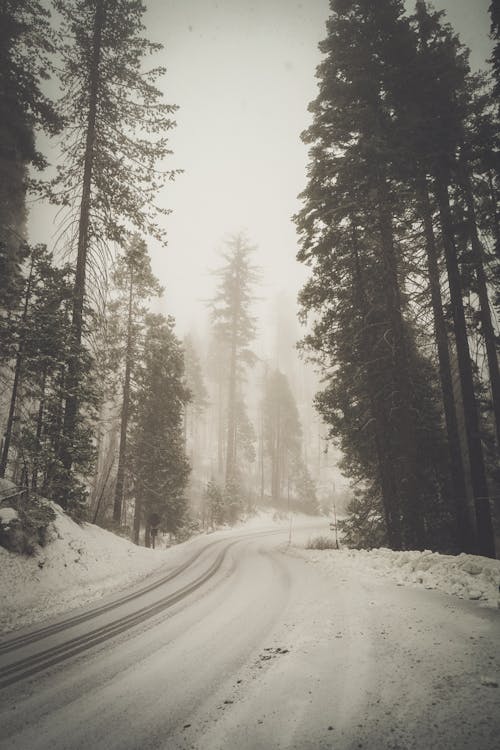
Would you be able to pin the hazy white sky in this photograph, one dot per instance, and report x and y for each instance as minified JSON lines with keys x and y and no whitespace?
{"x":242,"y":73}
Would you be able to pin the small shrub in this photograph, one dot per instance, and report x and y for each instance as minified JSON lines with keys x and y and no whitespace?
{"x":36,"y":519}
{"x":364,"y":527}
{"x":321,"y":542}
{"x":189,"y":527}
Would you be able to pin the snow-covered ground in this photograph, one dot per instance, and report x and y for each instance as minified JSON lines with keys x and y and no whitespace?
{"x":81,"y":564}
{"x":466,"y":576}
{"x":294,"y":651}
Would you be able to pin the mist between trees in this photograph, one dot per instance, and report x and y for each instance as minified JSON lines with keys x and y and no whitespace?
{"x":108,"y":412}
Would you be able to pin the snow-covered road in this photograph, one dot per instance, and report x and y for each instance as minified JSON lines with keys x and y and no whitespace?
{"x":274,"y":652}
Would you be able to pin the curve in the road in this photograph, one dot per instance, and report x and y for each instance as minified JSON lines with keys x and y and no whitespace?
{"x":14,"y":643}
{"x":30,"y":666}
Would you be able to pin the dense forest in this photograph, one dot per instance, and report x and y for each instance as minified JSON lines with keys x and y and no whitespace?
{"x":400,"y":228}
{"x":107,"y":410}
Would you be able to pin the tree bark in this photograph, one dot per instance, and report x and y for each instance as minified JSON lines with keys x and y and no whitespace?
{"x":465,"y":535}
{"x":231,"y":404}
{"x":39,"y":427}
{"x":276,"y":460}
{"x":231,"y":419}
{"x":73,"y":376}
{"x":122,"y":453}
{"x":494,"y":210}
{"x":137,"y":520}
{"x":17,"y":373}
{"x":485,"y":539}
{"x":220,"y":431}
{"x":385,"y":464}
{"x":403,"y":417}
{"x":488,"y":331}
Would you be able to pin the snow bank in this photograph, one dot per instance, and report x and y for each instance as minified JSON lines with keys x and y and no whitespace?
{"x":466,"y":576}
{"x":80,"y":564}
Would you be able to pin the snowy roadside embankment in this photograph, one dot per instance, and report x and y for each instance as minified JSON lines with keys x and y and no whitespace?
{"x":80,"y":564}
{"x":466,"y":576}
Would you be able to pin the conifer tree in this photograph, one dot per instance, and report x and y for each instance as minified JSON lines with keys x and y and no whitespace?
{"x":495,"y":58}
{"x":282,"y":431}
{"x":196,"y":386}
{"x":42,"y":331}
{"x":354,"y":235}
{"x":135,"y":283}
{"x":234,"y":327}
{"x":443,"y":103}
{"x":19,"y":355}
{"x":116,"y":136}
{"x":348,"y":225}
{"x":215,"y":501}
{"x":26,"y":46}
{"x":160,"y":467}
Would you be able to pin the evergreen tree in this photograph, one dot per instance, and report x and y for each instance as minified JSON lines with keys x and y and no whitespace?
{"x":194,"y":410}
{"x":38,"y":389}
{"x":305,"y":499}
{"x":115,"y":137}
{"x":19,"y":354}
{"x":495,"y":35}
{"x":135,"y":283}
{"x":232,"y":498}
{"x":353,"y":235}
{"x":26,"y":44}
{"x":215,"y":501}
{"x":160,"y":467}
{"x":245,"y":434}
{"x":234,"y":328}
{"x":282,"y":431}
{"x":216,"y":367}
{"x":440,"y":89}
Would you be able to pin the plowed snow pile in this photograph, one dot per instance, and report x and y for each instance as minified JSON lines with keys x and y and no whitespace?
{"x":465,"y":576}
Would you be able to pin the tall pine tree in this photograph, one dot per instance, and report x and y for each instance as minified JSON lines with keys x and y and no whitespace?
{"x":135,"y":283}
{"x":160,"y":467}
{"x":116,"y":136}
{"x":234,"y":327}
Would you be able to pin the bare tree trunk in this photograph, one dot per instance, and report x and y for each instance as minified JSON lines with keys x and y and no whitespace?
{"x":488,"y":331}
{"x":494,"y":210}
{"x":402,"y":412}
{"x":73,"y":377}
{"x":137,"y":520}
{"x":231,"y":411}
{"x":464,"y":530}
{"x":220,"y":433}
{"x":122,"y":453}
{"x":486,"y":542}
{"x":388,"y":486}
{"x":39,"y":427}
{"x":17,"y":374}
{"x":261,"y":455}
{"x":103,"y":489}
